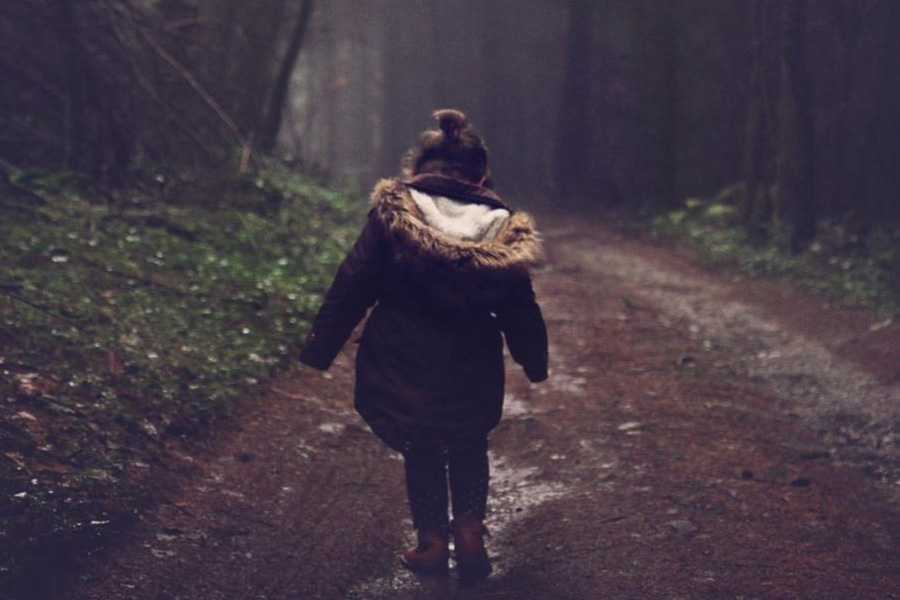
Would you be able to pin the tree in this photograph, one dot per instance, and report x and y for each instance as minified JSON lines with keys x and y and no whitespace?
{"x":394,"y":99}
{"x":795,"y":202}
{"x":281,"y":86}
{"x":573,"y":142}
{"x":502,"y":93}
{"x":758,"y":164}
{"x":661,"y":98}
{"x":259,"y":29}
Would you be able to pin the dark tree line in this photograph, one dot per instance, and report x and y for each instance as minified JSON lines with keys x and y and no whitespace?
{"x":788,"y":109}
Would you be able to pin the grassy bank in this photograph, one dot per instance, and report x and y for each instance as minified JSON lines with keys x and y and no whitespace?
{"x":839,"y":265}
{"x":126,"y":321}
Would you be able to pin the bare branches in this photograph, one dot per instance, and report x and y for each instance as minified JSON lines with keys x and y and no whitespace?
{"x":112,"y":79}
{"x":190,"y":78}
{"x":201,"y":91}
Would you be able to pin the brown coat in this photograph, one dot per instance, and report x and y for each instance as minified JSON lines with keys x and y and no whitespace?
{"x":430,"y":359}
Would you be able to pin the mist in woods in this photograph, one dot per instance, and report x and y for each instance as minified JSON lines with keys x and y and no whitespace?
{"x":789,"y":107}
{"x":180,"y":180}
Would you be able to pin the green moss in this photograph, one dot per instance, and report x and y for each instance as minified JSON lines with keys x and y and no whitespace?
{"x":122,"y":322}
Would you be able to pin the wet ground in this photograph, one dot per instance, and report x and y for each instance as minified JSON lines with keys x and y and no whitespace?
{"x":701,"y":436}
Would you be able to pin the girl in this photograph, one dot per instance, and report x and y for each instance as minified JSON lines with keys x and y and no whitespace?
{"x":447,"y":263}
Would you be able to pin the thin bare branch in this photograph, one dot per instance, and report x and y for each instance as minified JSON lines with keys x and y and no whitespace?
{"x":197,"y":86}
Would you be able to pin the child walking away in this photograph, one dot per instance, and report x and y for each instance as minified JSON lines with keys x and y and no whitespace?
{"x":445,"y":262}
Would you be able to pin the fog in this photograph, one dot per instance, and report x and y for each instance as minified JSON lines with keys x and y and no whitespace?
{"x":615,"y":103}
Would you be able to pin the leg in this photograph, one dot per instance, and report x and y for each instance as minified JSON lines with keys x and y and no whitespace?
{"x":469,"y":474}
{"x":469,"y":478}
{"x":426,"y":485}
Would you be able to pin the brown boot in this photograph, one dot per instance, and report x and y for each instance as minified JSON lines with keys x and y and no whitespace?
{"x":432,"y":552}
{"x":472,"y":559}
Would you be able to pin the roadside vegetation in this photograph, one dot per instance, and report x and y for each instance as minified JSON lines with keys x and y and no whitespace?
{"x":128,"y":321}
{"x":840,"y":264}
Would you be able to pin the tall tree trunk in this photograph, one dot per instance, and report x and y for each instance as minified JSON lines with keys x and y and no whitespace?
{"x":277,"y":98}
{"x":796,"y":205}
{"x":847,"y":18}
{"x":73,"y":72}
{"x":439,"y":15}
{"x":659,"y":101}
{"x":756,"y":206}
{"x":394,"y":19}
{"x":573,"y":142}
{"x":667,"y":111}
{"x":334,"y":83}
{"x":365,"y":62}
{"x":224,"y":40}
{"x":498,"y":99}
{"x":261,"y":30}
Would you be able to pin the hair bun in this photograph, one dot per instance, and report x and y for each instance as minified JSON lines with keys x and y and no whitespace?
{"x":452,"y":122}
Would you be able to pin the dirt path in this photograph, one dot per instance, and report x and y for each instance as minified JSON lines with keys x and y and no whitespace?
{"x":700,"y":437}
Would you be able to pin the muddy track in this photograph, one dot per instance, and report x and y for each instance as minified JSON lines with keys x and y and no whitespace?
{"x":701,"y":436}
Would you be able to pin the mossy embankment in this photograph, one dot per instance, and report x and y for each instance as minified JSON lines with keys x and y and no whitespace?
{"x":131,"y":320}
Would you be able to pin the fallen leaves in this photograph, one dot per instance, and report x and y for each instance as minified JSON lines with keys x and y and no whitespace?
{"x":24,"y":415}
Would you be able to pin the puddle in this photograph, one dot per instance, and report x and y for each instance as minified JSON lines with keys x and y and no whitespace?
{"x":332,"y":427}
{"x":566,"y":383}
{"x":514,"y":491}
{"x":514,"y":407}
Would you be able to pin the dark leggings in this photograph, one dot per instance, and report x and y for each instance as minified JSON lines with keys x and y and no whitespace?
{"x":427,"y":468}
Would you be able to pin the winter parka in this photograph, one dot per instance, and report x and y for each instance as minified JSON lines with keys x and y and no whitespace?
{"x":446,"y":265}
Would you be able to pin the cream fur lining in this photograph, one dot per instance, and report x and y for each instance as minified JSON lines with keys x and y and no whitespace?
{"x":516,"y":245}
{"x":464,"y":220}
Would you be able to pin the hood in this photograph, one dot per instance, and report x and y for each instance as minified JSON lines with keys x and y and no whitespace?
{"x":467,"y":221}
{"x":434,"y":225}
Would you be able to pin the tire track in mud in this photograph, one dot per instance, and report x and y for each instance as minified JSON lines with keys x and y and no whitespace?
{"x":857,"y":415}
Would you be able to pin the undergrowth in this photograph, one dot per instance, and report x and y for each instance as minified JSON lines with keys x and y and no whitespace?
{"x":128,"y":320}
{"x":840,"y":265}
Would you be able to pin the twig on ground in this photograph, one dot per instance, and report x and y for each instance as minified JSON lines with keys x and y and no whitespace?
{"x":287,"y":394}
{"x":613,"y":519}
{"x":39,"y":308}
{"x":18,"y":462}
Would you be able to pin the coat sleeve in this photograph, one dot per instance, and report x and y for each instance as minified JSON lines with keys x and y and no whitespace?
{"x":356,"y":287}
{"x":523,"y":326}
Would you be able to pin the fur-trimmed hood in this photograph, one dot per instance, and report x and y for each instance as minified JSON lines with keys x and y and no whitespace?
{"x":516,"y":244}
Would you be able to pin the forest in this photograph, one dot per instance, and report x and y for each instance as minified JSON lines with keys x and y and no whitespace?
{"x":786,"y":107}
{"x":179,"y":179}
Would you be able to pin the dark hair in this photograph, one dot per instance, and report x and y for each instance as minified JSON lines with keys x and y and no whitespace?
{"x":454,"y":150}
